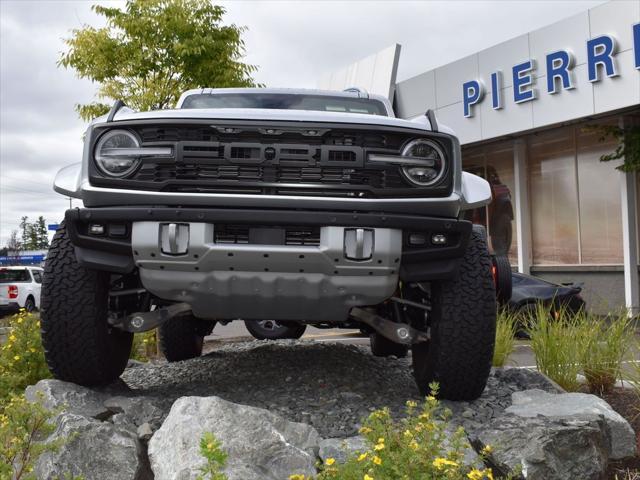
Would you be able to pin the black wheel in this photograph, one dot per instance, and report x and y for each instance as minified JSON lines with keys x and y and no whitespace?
{"x":501,"y":270}
{"x":182,"y":336}
{"x":462,"y":325}
{"x":30,"y":304}
{"x":79,"y":344}
{"x":501,"y":234}
{"x":383,"y":347}
{"x":272,"y":330}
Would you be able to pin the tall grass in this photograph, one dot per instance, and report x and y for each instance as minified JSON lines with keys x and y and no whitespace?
{"x":566,"y":344}
{"x":606,"y":343}
{"x":506,"y":327}
{"x":556,"y":341}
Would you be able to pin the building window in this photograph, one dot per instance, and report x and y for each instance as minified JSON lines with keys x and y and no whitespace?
{"x":495,"y":164}
{"x":599,"y":200}
{"x":553,"y":196}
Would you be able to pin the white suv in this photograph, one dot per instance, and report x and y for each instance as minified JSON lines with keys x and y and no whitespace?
{"x":20,"y":288}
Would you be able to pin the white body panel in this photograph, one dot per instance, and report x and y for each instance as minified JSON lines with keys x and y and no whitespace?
{"x":30,"y":288}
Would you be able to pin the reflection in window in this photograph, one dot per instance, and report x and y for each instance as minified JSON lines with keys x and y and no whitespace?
{"x":599,"y":194}
{"x":553,"y":197}
{"x":495,"y":164}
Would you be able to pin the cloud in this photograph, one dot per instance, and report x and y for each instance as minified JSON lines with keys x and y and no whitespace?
{"x":293,"y":43}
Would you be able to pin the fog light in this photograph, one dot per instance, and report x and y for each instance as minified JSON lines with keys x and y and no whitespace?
{"x":96,"y":229}
{"x":417,"y":239}
{"x":439,"y":239}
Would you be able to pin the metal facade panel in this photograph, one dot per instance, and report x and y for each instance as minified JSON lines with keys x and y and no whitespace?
{"x":566,"y":104}
{"x":416,"y":95}
{"x":614,"y":18}
{"x":620,"y":91}
{"x":468,"y":131}
{"x":449,"y":79}
{"x":502,"y":57}
{"x":514,"y":116}
{"x":569,"y":34}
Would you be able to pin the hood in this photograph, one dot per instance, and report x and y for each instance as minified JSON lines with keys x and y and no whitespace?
{"x":126,"y":114}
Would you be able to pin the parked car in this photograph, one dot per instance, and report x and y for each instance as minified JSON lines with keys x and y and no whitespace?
{"x":527,"y":291}
{"x":310,"y":207}
{"x":20,"y":288}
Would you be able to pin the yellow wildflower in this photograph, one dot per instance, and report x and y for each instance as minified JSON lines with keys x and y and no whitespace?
{"x":367,"y":477}
{"x":377,"y":460}
{"x":297,"y":476}
{"x":16,"y":357}
{"x":408,"y":434}
{"x":475,"y":474}
{"x":209,"y":446}
{"x":365,"y":430}
{"x":378,"y":447}
{"x":413,"y":445}
{"x":487,"y":450}
{"x":381,"y":440}
{"x":362,"y":456}
{"x":12,"y":338}
{"x":411,"y":404}
{"x":330,"y":461}
{"x":442,"y":463}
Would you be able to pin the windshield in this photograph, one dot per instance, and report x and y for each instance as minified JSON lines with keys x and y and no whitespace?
{"x":14,"y":275}
{"x":320,"y":103}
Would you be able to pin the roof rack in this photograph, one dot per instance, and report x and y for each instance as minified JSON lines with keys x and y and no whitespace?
{"x":362,"y":93}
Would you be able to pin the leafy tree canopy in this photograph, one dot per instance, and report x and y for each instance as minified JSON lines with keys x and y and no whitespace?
{"x":628,"y":148}
{"x":153,"y":50}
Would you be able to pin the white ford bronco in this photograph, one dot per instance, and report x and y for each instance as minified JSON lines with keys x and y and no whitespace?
{"x":297,"y":206}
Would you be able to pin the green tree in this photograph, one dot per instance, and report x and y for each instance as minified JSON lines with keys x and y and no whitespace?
{"x":153,"y":50}
{"x":628,"y":148}
{"x":42,"y":234}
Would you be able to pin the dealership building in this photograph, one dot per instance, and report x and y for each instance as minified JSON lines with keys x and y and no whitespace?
{"x":531,"y":114}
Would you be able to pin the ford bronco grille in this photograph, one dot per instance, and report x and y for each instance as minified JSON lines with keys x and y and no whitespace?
{"x":258,"y":160}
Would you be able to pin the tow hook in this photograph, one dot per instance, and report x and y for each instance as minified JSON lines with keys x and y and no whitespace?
{"x":144,"y":321}
{"x":396,"y":332}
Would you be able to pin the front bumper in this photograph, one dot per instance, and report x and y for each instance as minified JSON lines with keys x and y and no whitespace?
{"x":417,"y":262}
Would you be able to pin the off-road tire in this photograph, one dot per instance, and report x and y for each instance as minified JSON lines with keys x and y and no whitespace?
{"x":383,"y":347}
{"x":463,"y":323}
{"x":182,"y":337}
{"x":502,"y":278}
{"x":79,"y":345}
{"x":287,"y":330}
{"x":501,"y":233}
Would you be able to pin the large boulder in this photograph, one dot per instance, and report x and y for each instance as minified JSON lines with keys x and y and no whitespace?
{"x":260,"y":444}
{"x":341,"y":449}
{"x":58,"y":395}
{"x":541,"y":448}
{"x":93,"y":450}
{"x":530,"y":403}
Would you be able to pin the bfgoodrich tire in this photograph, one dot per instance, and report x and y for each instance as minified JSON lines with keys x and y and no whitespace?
{"x":182,"y":336}
{"x":463,"y":323}
{"x":79,"y":344}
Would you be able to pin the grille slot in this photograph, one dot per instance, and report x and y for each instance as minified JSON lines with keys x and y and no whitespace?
{"x":293,"y":235}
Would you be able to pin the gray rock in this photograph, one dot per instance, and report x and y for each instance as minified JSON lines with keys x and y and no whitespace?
{"x":138,"y":410}
{"x":260,"y":444}
{"x":56,"y":394}
{"x":145,"y":432}
{"x":94,"y":450}
{"x":341,"y":448}
{"x":542,"y":448}
{"x":530,"y":403}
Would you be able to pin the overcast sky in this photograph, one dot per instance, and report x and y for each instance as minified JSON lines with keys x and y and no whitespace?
{"x":293,"y":43}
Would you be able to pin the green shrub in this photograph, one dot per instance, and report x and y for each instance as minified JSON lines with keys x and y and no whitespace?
{"x":417,"y":447}
{"x":22,"y":360}
{"x":211,"y":450}
{"x":506,"y":327}
{"x":145,"y":346}
{"x":558,"y":345}
{"x":24,"y":427}
{"x":606,"y":343}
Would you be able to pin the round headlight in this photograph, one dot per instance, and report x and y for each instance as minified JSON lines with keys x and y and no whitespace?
{"x":113,"y":153}
{"x":427,"y":162}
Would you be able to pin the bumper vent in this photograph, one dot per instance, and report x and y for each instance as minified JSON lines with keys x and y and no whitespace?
{"x":288,"y":235}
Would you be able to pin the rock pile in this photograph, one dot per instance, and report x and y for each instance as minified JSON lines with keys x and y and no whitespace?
{"x":278,"y":406}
